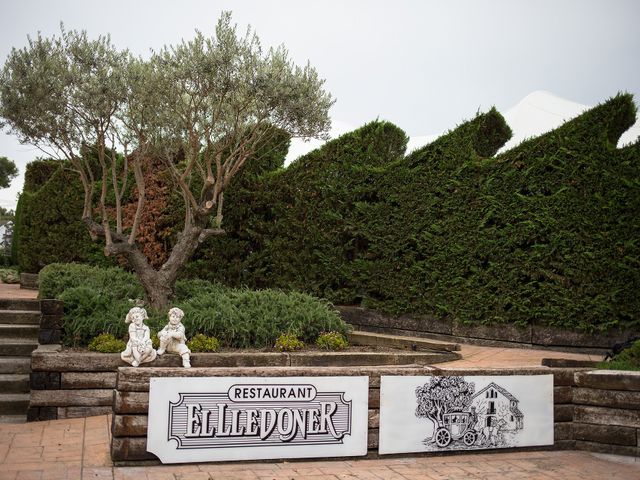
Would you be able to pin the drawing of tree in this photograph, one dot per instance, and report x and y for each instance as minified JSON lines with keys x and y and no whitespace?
{"x":443,"y":395}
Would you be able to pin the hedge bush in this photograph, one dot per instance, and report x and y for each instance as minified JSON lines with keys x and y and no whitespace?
{"x":545,"y":233}
{"x":98,"y":299}
{"x":48,"y":220}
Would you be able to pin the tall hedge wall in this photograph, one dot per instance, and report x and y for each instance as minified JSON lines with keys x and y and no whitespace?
{"x":48,"y":224}
{"x":546,"y":232}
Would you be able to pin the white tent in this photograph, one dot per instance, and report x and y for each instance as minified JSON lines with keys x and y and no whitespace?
{"x":537,"y":113}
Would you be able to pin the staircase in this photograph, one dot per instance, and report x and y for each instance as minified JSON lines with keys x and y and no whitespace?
{"x":19,"y":326}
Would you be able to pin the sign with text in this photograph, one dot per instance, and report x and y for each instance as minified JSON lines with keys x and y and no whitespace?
{"x":203,"y":419}
{"x":442,"y":413}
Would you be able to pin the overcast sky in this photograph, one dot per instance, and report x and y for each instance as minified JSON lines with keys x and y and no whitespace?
{"x":423,"y":65}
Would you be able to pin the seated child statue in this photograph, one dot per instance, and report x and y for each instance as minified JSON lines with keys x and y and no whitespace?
{"x":139,"y":347}
{"x":172,"y":337}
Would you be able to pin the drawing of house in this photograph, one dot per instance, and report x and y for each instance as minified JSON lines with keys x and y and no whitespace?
{"x":495,"y":404}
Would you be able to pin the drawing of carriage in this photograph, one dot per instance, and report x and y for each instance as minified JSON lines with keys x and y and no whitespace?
{"x":456,"y":426}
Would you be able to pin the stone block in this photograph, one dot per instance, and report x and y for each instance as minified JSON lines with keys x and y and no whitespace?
{"x":562,"y":431}
{"x":605,"y":448}
{"x":82,"y":412}
{"x":38,"y":414}
{"x":607,"y":398}
{"x":51,"y":322}
{"x":83,"y":380}
{"x":129,"y":425}
{"x":563,"y":413}
{"x":608,"y":380}
{"x":45,"y":380}
{"x":607,"y":416}
{"x":52,"y":307}
{"x":130,"y":402}
{"x":125,"y":449}
{"x":29,"y":281}
{"x":552,"y":336}
{"x":373,"y":437}
{"x":369,"y":318}
{"x":568,"y":363}
{"x":74,"y":362}
{"x":75,"y":398}
{"x":562,"y":395}
{"x":505,"y":332}
{"x":609,"y":434}
{"x":48,"y":336}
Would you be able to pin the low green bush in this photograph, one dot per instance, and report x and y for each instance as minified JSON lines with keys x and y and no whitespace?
{"x":202,"y":343}
{"x":628,"y":359}
{"x":58,"y":277}
{"x":97,"y":301}
{"x":106,"y":343}
{"x":288,"y":342}
{"x":332,"y":341}
{"x":9,"y":275}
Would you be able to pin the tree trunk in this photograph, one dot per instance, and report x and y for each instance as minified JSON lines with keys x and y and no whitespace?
{"x":159,"y":284}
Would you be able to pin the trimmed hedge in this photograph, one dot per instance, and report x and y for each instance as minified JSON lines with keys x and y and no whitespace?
{"x":48,"y":224}
{"x":545,"y":233}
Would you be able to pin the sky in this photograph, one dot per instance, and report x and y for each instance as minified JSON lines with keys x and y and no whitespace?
{"x":424,"y":65}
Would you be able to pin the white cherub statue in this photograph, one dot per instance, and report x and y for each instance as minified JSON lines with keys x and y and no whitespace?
{"x":172,"y":337}
{"x":139,"y":347}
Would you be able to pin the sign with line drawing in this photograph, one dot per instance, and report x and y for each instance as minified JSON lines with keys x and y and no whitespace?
{"x":440,"y":413}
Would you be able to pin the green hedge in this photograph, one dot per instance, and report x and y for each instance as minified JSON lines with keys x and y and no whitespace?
{"x":98,"y":299}
{"x":48,"y":219}
{"x":546,"y":232}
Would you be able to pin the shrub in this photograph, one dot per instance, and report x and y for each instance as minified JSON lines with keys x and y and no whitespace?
{"x":202,"y":343}
{"x":106,"y":343}
{"x":9,"y":275}
{"x":288,"y":342}
{"x":628,"y":359}
{"x":115,"y":282}
{"x":98,"y":299}
{"x":48,"y":220}
{"x":243,"y":318}
{"x":332,"y":341}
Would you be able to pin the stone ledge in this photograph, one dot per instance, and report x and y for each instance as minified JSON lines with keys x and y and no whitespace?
{"x":65,"y":398}
{"x":608,"y":434}
{"x":609,"y":380}
{"x":536,"y":336}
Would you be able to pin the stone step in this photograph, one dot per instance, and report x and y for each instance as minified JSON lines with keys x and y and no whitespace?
{"x":14,"y":403}
{"x":396,"y":341}
{"x":15,"y":364}
{"x":14,"y":383}
{"x":9,"y":331}
{"x":13,"y":419}
{"x":20,"y":317}
{"x":19,"y":304}
{"x":16,"y":347}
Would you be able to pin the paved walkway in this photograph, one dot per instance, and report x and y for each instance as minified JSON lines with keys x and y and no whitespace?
{"x":13,"y":291}
{"x":79,"y":449}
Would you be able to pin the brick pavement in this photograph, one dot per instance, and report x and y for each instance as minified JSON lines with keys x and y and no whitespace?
{"x":79,"y":449}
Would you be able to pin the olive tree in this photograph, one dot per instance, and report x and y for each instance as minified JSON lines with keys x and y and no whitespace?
{"x":202,"y":107}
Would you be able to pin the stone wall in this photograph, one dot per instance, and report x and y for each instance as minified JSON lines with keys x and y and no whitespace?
{"x":606,"y":416}
{"x":71,"y":384}
{"x":131,"y":401}
{"x":537,"y":336}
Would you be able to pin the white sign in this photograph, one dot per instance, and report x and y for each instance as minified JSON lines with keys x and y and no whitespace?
{"x":203,"y":419}
{"x":441,"y":413}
